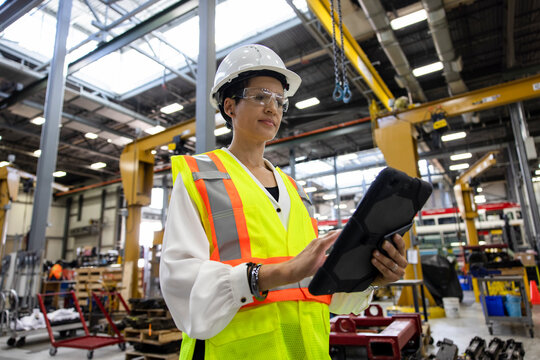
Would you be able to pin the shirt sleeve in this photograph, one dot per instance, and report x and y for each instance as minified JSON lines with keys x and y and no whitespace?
{"x":202,"y":295}
{"x":346,"y":303}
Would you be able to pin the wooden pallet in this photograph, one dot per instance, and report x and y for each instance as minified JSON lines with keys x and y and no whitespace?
{"x":156,"y":337}
{"x":135,"y":355}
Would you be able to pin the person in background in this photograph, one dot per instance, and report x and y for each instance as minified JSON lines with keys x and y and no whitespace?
{"x":241,"y":243}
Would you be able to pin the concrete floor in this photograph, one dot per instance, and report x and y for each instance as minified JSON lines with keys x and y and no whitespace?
{"x":460,"y":330}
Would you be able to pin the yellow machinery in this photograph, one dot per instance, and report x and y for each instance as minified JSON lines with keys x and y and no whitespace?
{"x":9,"y":189}
{"x":137,"y":171}
{"x":465,"y":194}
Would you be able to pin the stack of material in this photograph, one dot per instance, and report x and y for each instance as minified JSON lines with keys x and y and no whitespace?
{"x":151,"y":330}
{"x":112,"y":278}
{"x":87,"y":279}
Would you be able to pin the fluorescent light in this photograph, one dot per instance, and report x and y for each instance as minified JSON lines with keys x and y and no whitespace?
{"x":537,"y":172}
{"x":454,"y":136}
{"x":322,"y":217}
{"x":479,"y":199}
{"x":40,"y":120}
{"x":164,"y":147}
{"x":427,"y":69}
{"x":307,"y":103}
{"x":91,"y":135}
{"x":154,"y":130}
{"x":172,"y":108}
{"x":301,"y":182}
{"x":329,"y":196}
{"x":222,"y":131}
{"x":457,"y":244}
{"x":310,"y":189}
{"x":459,"y":166}
{"x":153,"y":152}
{"x":98,"y":165}
{"x":352,"y":211}
{"x":341,"y":206}
{"x":461,"y":156}
{"x":534,"y":179}
{"x":409,"y":19}
{"x":37,"y":153}
{"x":300,"y":158}
{"x":109,"y":141}
{"x":59,"y":173}
{"x":479,"y":189}
{"x":4,"y":163}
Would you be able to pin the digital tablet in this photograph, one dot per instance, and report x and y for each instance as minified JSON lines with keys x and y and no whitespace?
{"x":388,"y":207}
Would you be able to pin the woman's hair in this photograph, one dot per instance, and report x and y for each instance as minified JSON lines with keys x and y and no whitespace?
{"x":239,"y":84}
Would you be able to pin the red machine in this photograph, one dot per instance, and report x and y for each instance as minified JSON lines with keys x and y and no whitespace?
{"x":86,"y":342}
{"x":353,"y":337}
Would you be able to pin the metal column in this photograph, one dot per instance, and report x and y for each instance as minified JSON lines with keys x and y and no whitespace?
{"x":204,"y":113}
{"x":338,"y":198}
{"x":50,"y":130}
{"x":65,"y":238}
{"x":517,"y":118}
{"x":292,"y":162}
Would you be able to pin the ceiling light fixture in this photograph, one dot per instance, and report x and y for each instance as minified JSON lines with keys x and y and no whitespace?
{"x":172,"y":108}
{"x":59,"y":173}
{"x":37,"y":153}
{"x":154,"y":130}
{"x":98,"y":165}
{"x":427,"y":69}
{"x":91,"y":136}
{"x":307,"y":103}
{"x":329,"y":196}
{"x":459,"y":167}
{"x":454,"y":136}
{"x":222,"y":131}
{"x":409,"y":19}
{"x":479,"y":189}
{"x":4,"y":163}
{"x":310,"y":189}
{"x":461,"y":156}
{"x":300,"y":158}
{"x":153,"y":152}
{"x":479,"y":199}
{"x":346,"y":157}
{"x":40,"y":120}
{"x":301,"y":182}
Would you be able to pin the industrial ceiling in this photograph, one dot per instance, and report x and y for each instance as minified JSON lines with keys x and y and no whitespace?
{"x":483,"y":43}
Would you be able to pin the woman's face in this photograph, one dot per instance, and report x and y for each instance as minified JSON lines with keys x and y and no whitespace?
{"x":253,"y":120}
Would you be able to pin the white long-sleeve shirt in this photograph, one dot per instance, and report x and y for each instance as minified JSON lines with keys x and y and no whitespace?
{"x":204,"y":295}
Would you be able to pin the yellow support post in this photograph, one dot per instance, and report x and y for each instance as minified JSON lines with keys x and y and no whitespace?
{"x":353,"y":51}
{"x":9,"y":189}
{"x":137,"y":171}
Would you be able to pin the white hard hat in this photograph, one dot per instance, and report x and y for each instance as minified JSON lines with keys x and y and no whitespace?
{"x":251,"y":58}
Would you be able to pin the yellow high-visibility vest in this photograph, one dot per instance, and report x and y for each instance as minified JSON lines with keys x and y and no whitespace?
{"x":242,"y":225}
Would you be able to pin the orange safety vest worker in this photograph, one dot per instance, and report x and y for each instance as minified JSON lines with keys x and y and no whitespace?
{"x":243,"y":226}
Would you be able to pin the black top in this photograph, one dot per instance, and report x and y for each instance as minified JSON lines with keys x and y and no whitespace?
{"x":274,"y":191}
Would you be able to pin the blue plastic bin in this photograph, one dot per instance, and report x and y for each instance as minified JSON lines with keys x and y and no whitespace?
{"x":513,"y":305}
{"x":466,"y":282}
{"x":495,"y":306}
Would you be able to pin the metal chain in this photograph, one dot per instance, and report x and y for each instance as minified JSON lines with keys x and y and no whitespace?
{"x":345,"y":82}
{"x":338,"y":93}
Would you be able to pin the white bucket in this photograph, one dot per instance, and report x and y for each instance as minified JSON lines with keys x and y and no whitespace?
{"x":451,"y":306}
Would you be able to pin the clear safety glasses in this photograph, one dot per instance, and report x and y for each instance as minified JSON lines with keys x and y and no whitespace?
{"x":261,"y":96}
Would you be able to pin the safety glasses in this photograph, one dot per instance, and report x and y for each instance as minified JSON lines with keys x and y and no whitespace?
{"x":261,"y":96}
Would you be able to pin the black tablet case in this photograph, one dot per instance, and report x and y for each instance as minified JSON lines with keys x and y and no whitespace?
{"x":389,"y":206}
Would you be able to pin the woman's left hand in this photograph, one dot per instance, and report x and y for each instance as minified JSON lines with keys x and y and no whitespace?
{"x":391,"y":267}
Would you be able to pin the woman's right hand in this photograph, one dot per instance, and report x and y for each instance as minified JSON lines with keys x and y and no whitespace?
{"x":303,"y":265}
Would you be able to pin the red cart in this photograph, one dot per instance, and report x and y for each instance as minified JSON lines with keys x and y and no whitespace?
{"x":86,"y":342}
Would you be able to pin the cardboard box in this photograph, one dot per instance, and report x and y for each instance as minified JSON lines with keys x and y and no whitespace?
{"x":526,"y":258}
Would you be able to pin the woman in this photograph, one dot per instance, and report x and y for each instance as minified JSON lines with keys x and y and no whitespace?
{"x":240,"y":242}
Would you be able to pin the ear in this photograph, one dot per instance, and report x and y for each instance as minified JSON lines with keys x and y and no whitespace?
{"x":229,"y":105}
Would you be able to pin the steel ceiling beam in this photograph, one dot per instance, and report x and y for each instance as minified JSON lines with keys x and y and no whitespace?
{"x":76,"y":147}
{"x":154,"y":22}
{"x":11,"y":11}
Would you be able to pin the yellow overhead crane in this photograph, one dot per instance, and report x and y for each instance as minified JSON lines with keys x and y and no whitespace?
{"x":137,"y":171}
{"x":465,"y":194}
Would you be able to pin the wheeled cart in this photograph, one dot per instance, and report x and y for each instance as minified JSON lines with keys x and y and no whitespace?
{"x":525,"y":319}
{"x":86,"y":342}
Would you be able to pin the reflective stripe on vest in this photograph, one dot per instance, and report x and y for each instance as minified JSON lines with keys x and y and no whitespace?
{"x":230,"y":237}
{"x":307,"y":203}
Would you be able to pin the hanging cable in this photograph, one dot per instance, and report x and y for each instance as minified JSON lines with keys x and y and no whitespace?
{"x":346,"y":90}
{"x":342,"y":91}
